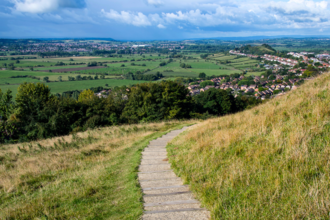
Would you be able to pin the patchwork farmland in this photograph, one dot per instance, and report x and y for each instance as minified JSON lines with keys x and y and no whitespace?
{"x":78,"y":73}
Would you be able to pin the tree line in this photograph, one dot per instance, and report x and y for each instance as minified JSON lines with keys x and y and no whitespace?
{"x":36,"y":113}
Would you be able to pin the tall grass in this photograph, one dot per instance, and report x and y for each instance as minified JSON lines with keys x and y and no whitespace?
{"x":90,"y":175}
{"x":270,"y":162}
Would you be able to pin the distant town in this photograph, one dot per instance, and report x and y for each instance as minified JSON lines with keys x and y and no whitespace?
{"x":271,"y":84}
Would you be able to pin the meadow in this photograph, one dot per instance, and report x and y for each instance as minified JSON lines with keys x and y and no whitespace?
{"x":60,"y":87}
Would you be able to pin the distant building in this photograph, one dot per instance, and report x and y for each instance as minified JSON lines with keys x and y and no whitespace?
{"x":136,"y":46}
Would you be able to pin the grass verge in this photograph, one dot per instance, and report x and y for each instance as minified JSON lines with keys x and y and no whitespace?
{"x":90,"y":175}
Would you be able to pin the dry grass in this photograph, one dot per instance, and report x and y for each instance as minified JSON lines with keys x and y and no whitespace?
{"x":270,"y":162}
{"x":91,"y":175}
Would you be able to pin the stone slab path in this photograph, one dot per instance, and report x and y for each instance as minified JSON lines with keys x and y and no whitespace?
{"x":165,"y":197}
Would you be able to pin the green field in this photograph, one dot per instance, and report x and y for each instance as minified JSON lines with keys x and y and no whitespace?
{"x":5,"y":76}
{"x":119,"y":66}
{"x":59,"y":87}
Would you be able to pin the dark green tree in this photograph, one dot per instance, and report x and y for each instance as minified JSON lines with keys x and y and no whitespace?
{"x":202,"y":75}
{"x":215,"y":101}
{"x":157,"y":101}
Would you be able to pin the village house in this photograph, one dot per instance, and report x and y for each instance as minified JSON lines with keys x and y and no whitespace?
{"x":194,"y":92}
{"x":249,"y":90}
{"x":209,"y":87}
{"x":192,"y":87}
{"x":244,"y":87}
{"x":279,"y":77}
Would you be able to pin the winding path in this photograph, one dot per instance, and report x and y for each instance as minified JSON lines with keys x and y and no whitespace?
{"x":165,"y":197}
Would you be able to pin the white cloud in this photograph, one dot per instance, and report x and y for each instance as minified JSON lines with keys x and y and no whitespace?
{"x":43,"y":6}
{"x":136,"y":19}
{"x":258,"y":15}
{"x":155,"y":3}
{"x":161,"y":26}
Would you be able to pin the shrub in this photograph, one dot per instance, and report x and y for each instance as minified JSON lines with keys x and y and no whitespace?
{"x":93,"y":122}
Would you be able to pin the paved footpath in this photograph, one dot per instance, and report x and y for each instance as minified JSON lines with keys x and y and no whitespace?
{"x":165,"y":196}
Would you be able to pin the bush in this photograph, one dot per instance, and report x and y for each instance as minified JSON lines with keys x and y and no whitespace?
{"x":202,"y":75}
{"x":277,"y":92}
{"x":93,"y":122}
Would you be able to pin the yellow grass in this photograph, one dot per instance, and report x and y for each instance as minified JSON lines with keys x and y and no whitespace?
{"x":270,"y":162}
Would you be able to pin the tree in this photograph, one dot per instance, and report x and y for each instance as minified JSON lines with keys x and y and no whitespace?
{"x":60,"y":78}
{"x":215,"y":101}
{"x":6,"y":104}
{"x":31,"y":68}
{"x":96,"y":77}
{"x":206,"y":83}
{"x":310,"y":71}
{"x":157,"y":101}
{"x":271,"y":77}
{"x":46,"y":79}
{"x":204,"y":56}
{"x":86,"y":95}
{"x":78,"y":77}
{"x":202,"y":75}
{"x":31,"y":101}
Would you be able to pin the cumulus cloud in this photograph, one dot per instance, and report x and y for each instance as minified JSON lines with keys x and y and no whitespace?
{"x":161,"y":26}
{"x":155,"y":3}
{"x":136,"y":19}
{"x":300,"y":13}
{"x":259,"y":15}
{"x":43,"y":6}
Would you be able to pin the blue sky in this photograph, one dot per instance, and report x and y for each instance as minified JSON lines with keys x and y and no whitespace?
{"x":162,"y":19}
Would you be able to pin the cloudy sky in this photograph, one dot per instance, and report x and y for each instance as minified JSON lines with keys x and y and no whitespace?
{"x":162,"y":19}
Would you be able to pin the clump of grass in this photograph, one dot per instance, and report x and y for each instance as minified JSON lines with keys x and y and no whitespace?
{"x":270,"y":162}
{"x":90,"y":175}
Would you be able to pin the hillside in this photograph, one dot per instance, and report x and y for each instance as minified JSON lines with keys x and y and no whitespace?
{"x":89,"y":175}
{"x":270,"y":162}
{"x":258,"y":50}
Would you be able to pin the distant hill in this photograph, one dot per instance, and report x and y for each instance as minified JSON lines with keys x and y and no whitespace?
{"x":38,"y":40}
{"x":258,"y":50}
{"x":269,"y":162}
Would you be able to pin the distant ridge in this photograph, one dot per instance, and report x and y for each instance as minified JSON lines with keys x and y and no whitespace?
{"x":248,"y":38}
{"x":53,"y":39}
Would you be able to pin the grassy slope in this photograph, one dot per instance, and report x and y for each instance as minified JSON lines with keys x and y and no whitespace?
{"x":90,"y":176}
{"x":270,"y":162}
